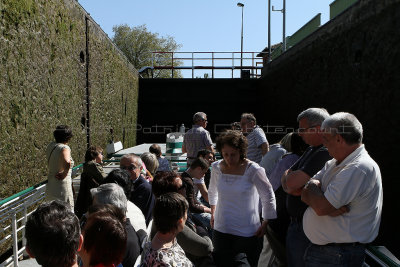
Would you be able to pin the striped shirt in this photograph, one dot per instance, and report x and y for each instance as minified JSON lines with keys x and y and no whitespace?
{"x":255,"y":139}
{"x":196,"y":139}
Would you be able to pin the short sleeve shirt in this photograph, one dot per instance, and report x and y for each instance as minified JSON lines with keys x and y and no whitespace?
{"x":312,"y":160}
{"x":196,"y":139}
{"x":255,"y":139}
{"x":355,"y":182}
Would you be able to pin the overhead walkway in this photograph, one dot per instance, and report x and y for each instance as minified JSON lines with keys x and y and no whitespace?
{"x":238,"y":64}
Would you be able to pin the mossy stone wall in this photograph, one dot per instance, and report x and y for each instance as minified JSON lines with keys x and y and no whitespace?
{"x":43,"y":56}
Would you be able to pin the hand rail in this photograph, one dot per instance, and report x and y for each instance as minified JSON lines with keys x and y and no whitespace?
{"x":29,"y":189}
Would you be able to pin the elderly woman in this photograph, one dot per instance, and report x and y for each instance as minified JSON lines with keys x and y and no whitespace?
{"x":91,"y":177}
{"x":170,"y":214}
{"x":58,"y":154}
{"x":236,"y":186}
{"x":151,"y":163}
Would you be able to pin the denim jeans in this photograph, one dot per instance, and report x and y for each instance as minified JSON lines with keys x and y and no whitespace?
{"x":335,"y":255}
{"x":296,"y":244}
{"x":204,"y":219}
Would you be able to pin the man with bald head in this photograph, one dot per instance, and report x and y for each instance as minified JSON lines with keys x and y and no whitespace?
{"x":141,"y":194}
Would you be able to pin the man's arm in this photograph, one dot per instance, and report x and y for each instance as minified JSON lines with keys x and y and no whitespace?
{"x":313,"y":196}
{"x":293,"y":181}
{"x":203,"y":191}
{"x":264,"y":148}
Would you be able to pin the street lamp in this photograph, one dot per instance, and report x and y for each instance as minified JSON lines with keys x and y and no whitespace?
{"x":241,"y":44}
{"x":283,"y":10}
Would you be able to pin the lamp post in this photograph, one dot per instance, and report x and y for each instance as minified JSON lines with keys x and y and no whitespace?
{"x":269,"y":31}
{"x":241,"y":44}
{"x":283,"y":10}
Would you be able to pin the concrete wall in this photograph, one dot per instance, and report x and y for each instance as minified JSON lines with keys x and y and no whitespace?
{"x":351,"y":64}
{"x":164,"y":104}
{"x":43,"y":60}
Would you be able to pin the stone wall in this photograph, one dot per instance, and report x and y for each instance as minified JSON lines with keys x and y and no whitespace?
{"x":350,"y":64}
{"x":43,"y":57}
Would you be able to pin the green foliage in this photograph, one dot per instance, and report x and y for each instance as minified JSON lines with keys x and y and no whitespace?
{"x":138,"y":43}
{"x":42,"y":84}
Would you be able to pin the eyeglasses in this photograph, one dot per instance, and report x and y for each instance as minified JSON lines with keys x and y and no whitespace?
{"x":129,"y":168}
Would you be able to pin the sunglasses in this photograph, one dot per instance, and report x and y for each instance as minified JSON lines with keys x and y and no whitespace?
{"x":129,"y":168}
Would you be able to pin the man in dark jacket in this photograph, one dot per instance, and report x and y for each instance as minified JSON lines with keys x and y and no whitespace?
{"x":141,"y":194}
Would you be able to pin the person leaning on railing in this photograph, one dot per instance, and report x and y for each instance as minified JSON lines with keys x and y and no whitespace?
{"x":60,"y":165}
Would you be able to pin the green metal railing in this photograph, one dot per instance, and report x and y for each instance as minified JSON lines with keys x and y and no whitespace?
{"x":305,"y":31}
{"x":338,"y":6}
{"x":29,"y":189}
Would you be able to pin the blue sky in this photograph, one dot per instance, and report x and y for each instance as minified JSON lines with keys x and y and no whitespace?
{"x":208,"y":25}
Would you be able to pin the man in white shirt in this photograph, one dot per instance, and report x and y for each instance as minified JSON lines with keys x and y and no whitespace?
{"x":344,"y":198}
{"x":257,"y":141}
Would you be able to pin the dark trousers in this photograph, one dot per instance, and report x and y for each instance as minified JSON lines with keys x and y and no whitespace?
{"x":229,"y":250}
{"x":277,"y":246}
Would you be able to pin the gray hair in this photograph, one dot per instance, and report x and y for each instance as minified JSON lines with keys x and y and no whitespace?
{"x":346,"y":125}
{"x":249,"y":117}
{"x":135,"y":158}
{"x":314,"y":116}
{"x":199,"y":116}
{"x":151,"y":162}
{"x":110,"y":194}
{"x":286,"y":141}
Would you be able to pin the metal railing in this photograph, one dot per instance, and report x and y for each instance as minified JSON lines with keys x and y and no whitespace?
{"x":14,"y":212}
{"x":213,"y":61}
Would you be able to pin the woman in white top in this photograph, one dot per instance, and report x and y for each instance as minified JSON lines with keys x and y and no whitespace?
{"x":58,"y":153}
{"x":236,"y":186}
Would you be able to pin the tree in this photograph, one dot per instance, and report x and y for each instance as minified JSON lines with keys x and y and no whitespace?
{"x":138,"y":43}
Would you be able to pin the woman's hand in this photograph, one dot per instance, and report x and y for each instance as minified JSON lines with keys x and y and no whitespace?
{"x":262,"y":229}
{"x":212,"y":216}
{"x":62,"y":175}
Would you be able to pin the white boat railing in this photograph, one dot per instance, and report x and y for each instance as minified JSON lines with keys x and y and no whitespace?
{"x":13,"y":217}
{"x":15,"y":210}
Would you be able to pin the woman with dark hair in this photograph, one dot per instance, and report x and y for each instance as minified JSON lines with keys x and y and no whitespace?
{"x":60,"y":163}
{"x":193,"y":238}
{"x":91,"y":177}
{"x":104,"y":239}
{"x":236,"y":186}
{"x":169,"y":217}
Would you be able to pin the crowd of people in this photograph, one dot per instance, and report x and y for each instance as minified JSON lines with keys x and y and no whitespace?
{"x":312,"y":199}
